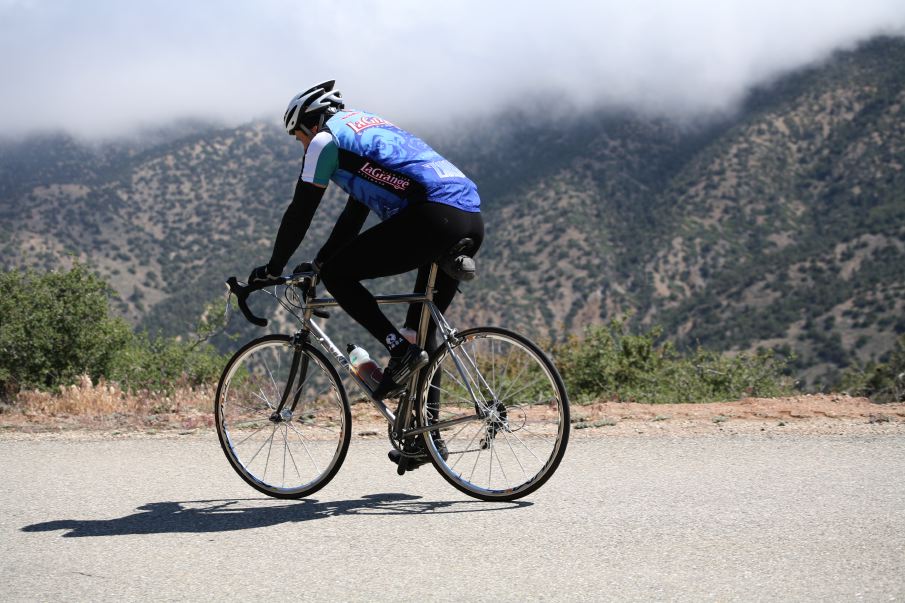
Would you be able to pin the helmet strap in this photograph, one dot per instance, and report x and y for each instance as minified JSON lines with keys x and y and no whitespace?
{"x":305,"y":131}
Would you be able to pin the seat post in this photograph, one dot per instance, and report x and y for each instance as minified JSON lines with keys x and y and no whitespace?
{"x":425,"y":311}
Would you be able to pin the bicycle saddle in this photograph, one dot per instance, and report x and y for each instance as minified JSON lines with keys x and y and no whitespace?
{"x":457,"y":262}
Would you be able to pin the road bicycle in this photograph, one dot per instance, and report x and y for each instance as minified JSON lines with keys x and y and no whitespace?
{"x":489,"y":409}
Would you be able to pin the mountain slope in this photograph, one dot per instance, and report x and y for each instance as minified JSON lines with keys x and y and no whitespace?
{"x":780,"y":226}
{"x":794,"y":223}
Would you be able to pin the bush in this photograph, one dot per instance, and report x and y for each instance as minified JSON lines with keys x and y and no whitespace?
{"x":161,"y":364}
{"x":881,"y":382}
{"x":609,"y":362}
{"x":54,"y":327}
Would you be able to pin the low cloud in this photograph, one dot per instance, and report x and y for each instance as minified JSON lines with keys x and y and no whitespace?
{"x":102,"y":68}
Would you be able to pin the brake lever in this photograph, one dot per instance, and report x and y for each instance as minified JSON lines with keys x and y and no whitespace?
{"x":243,"y":291}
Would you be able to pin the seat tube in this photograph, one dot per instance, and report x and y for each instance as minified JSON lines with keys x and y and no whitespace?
{"x":404,"y":412}
{"x":425,"y":310}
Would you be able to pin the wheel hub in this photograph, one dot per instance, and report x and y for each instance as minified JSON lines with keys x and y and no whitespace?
{"x":283,"y":416}
{"x":496,"y":420}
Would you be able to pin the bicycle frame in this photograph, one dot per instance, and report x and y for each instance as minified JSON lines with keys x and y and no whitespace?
{"x":512,"y":433}
{"x":400,"y":421}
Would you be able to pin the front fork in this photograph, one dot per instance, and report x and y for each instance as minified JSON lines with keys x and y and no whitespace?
{"x":299,"y":367}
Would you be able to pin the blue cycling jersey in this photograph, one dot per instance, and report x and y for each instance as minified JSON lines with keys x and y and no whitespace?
{"x":383,"y":166}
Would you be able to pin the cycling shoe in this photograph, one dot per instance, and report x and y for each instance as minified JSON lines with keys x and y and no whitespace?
{"x":421,"y":458}
{"x":398,"y":372}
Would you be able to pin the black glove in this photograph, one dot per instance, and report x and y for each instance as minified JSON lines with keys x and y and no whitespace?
{"x":312,"y":266}
{"x":262,"y":275}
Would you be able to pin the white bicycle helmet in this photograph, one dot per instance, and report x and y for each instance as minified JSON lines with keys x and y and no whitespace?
{"x":311,"y":107}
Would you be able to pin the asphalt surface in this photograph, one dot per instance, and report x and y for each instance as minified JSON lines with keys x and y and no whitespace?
{"x":688,"y":519}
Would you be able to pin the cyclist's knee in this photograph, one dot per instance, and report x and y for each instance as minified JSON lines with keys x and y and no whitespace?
{"x":329,"y":276}
{"x":334,"y":276}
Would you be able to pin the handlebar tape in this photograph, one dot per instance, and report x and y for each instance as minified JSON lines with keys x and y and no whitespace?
{"x":242,"y":292}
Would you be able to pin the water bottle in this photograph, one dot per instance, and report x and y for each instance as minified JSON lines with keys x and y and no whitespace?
{"x":364,"y":367}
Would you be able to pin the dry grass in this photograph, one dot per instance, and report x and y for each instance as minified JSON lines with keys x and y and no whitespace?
{"x":105,"y":406}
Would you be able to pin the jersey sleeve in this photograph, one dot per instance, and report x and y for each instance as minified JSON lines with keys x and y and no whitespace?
{"x":321,"y":159}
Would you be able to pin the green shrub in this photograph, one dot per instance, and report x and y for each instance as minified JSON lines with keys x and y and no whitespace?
{"x":609,"y":362}
{"x":161,"y":364}
{"x":55,"y":326}
{"x":881,"y":382}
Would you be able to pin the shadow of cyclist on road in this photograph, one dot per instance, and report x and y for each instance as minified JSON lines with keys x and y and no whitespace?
{"x":201,"y":516}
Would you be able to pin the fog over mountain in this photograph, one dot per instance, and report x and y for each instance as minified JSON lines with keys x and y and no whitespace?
{"x":100,"y":68}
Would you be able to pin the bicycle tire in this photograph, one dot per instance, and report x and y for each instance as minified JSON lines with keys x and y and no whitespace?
{"x":319,"y":428}
{"x":508,"y":405}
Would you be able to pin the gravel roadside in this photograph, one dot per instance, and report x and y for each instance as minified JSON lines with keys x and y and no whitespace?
{"x":800,"y":415}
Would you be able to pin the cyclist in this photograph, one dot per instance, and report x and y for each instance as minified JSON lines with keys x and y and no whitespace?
{"x":426,"y":205}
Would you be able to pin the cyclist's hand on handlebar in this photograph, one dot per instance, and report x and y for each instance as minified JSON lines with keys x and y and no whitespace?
{"x":262,"y":276}
{"x":312,"y":266}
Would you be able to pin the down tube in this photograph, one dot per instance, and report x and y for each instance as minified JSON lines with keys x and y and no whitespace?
{"x":330,"y":347}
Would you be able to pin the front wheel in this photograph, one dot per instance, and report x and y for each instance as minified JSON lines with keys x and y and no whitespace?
{"x":287,"y":452}
{"x":501,"y":412}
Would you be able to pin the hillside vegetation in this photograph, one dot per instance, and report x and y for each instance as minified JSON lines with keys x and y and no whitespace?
{"x":780,"y":227}
{"x":58,"y":336}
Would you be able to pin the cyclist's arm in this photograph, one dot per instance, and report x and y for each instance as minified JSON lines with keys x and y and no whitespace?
{"x":295,"y":223}
{"x":318,"y":166}
{"x":347,"y":227}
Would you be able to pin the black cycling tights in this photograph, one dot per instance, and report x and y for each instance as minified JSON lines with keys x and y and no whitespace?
{"x":414,"y":238}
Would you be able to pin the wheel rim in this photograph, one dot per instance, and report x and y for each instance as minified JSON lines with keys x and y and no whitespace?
{"x":520,"y":436}
{"x":295,"y":451}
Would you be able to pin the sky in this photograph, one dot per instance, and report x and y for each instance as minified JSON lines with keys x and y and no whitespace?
{"x":106,"y":68}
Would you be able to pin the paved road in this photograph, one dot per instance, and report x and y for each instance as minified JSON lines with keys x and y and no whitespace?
{"x":704,"y":518}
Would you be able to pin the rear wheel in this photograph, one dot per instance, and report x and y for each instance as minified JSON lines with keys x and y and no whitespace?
{"x":513,"y":408}
{"x":295,"y":452}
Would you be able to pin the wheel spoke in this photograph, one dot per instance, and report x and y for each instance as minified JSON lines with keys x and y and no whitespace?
{"x":531,"y":452}
{"x":515,"y":456}
{"x":292,"y":458}
{"x":514,"y":381}
{"x":454,"y":397}
{"x":469,"y":378}
{"x":461,"y":429}
{"x":263,"y":397}
{"x":251,"y":409}
{"x":250,"y":435}
{"x":490,"y":462}
{"x":499,"y":462}
{"x":477,"y":458}
{"x":493,"y":365}
{"x":302,"y":440}
{"x":276,"y":390}
{"x":529,"y":432}
{"x":285,"y":448}
{"x":264,"y":443}
{"x":461,"y":384}
{"x":520,"y":390}
{"x":467,"y":447}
